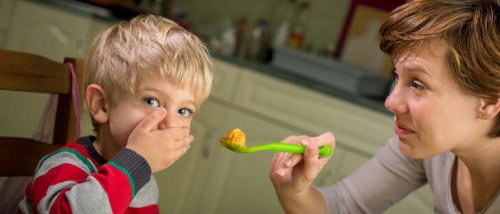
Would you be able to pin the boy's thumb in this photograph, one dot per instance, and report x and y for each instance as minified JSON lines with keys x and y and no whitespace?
{"x":151,"y":121}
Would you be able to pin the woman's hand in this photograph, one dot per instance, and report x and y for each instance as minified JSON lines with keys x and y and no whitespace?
{"x":291,"y":174}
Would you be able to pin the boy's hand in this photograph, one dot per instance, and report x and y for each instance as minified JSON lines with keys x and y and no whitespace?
{"x":160,"y":148}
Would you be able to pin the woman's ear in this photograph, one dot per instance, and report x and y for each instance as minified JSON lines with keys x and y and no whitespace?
{"x":97,"y":103}
{"x":489,"y":108}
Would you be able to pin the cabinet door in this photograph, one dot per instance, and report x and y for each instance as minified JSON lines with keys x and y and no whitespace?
{"x":239,"y":183}
{"x":41,"y":29}
{"x":182,"y":183}
{"x":226,"y":77}
{"x":5,"y":16}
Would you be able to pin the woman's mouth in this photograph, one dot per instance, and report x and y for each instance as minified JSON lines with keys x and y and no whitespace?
{"x":402,"y":130}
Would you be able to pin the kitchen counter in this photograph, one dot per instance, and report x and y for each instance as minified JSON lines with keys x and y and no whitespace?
{"x":374,"y":104}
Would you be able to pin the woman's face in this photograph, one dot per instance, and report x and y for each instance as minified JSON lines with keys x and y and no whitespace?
{"x":432,"y":114}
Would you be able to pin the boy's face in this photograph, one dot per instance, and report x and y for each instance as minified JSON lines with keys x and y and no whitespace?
{"x":151,"y":93}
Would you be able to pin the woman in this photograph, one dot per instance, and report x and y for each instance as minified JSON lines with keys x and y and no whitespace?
{"x":446,"y":104}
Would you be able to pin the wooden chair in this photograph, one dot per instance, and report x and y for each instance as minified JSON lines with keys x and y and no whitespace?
{"x":32,"y":73}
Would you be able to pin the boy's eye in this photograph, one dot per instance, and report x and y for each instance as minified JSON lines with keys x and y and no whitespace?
{"x":185,"y":112}
{"x":151,"y":102}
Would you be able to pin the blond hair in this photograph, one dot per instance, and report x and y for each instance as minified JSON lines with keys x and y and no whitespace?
{"x":469,"y":30}
{"x":148,"y":44}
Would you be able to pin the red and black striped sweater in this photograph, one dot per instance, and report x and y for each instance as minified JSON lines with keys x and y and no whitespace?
{"x":77,"y":179}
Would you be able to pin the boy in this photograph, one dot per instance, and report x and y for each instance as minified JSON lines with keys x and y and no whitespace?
{"x":145,"y":79}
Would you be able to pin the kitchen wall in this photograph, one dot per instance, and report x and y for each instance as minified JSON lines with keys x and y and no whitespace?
{"x":323,"y":25}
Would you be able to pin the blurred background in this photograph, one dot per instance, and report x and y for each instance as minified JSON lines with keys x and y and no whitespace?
{"x":343,"y":29}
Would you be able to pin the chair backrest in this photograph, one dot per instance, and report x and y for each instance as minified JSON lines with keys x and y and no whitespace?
{"x":32,"y":73}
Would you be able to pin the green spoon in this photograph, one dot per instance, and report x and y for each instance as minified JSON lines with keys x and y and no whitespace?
{"x":324,"y":150}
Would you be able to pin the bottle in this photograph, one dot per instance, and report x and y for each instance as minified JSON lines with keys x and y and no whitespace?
{"x":242,"y":38}
{"x":284,"y":17}
{"x":281,"y":35}
{"x":259,"y":41}
{"x":297,"y":35}
{"x":228,"y":39}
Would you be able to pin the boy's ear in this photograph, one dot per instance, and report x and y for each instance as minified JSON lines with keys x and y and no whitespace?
{"x":489,"y":108}
{"x":97,"y":103}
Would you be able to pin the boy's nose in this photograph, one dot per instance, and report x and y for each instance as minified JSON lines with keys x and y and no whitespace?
{"x":170,"y":121}
{"x":396,"y":101}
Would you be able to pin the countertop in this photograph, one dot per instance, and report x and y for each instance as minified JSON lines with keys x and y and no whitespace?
{"x":374,"y":104}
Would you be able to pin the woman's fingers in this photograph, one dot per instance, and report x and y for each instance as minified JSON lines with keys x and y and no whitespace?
{"x":283,"y":164}
{"x":286,"y":160}
{"x":325,"y":138}
{"x":313,"y":163}
{"x":292,"y":160}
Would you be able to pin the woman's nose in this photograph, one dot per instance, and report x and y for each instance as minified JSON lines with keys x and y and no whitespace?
{"x":396,"y":101}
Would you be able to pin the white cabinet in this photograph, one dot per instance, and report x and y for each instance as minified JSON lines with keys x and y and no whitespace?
{"x":182,"y":184}
{"x":5,"y":15}
{"x":240,"y":182}
{"x":226,"y":77}
{"x":50,"y":31}
{"x":212,"y":180}
{"x":47,"y":31}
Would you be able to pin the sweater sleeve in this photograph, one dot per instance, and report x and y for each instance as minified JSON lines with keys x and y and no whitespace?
{"x":67,"y":182}
{"x":382,"y":181}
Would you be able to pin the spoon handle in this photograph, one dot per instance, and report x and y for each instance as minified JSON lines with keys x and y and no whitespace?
{"x":324,"y":150}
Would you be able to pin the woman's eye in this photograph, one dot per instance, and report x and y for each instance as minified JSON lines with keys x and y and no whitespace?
{"x":185,"y":112}
{"x":416,"y":86}
{"x":151,"y":102}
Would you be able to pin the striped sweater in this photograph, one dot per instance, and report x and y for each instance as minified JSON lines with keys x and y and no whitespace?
{"x":76,"y":179}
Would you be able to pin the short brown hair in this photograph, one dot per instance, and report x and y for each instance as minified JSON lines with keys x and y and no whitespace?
{"x":468,"y":28}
